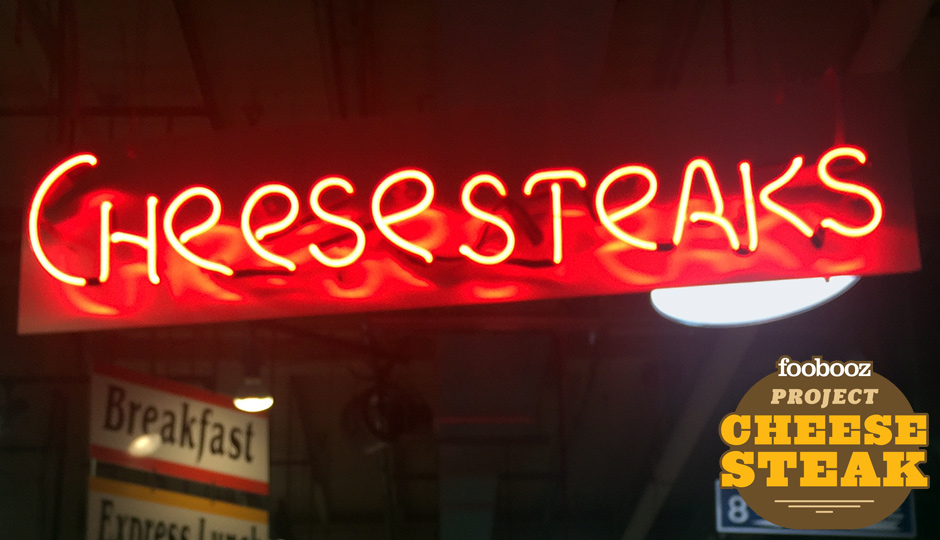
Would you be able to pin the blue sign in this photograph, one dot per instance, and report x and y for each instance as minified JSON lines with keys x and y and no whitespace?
{"x":732,"y":515}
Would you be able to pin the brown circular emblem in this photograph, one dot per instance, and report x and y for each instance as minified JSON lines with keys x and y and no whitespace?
{"x":824,"y":445}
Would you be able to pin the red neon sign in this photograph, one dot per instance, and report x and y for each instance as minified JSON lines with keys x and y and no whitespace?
{"x":552,"y":177}
{"x":179,"y":242}
{"x":609,"y":220}
{"x":487,"y":217}
{"x":318,"y":211}
{"x":254,"y":237}
{"x":117,"y":241}
{"x":33,"y":231}
{"x":384,"y":222}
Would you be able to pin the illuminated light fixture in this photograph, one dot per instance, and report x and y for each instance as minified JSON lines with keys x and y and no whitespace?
{"x":144,"y":445}
{"x":253,"y":396}
{"x":742,"y":304}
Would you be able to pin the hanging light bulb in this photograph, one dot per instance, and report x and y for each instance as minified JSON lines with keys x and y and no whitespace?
{"x":253,"y":396}
{"x":742,"y":304}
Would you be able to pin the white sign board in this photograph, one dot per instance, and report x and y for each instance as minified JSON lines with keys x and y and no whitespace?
{"x":163,"y":426}
{"x":119,"y":510}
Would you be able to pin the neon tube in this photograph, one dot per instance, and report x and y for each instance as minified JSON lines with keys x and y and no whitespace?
{"x":149,"y":242}
{"x":776,"y":208}
{"x":715,"y":192}
{"x":384,"y":222}
{"x":359,"y":248}
{"x":465,"y":199}
{"x":178,"y":244}
{"x":553,"y":176}
{"x":609,"y":220}
{"x":253,"y":238}
{"x":748,"y":188}
{"x":822,"y":169}
{"x":36,"y":204}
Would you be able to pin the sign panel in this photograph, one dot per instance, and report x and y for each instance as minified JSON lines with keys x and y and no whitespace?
{"x":732,"y":515}
{"x":177,"y":430}
{"x":466,"y":207}
{"x":119,"y":510}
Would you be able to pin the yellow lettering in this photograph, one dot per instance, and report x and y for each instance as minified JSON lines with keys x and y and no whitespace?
{"x":877,"y":429}
{"x":810,"y":429}
{"x":777,"y":463}
{"x":728,"y":429}
{"x":860,"y":472}
{"x":897,"y":466}
{"x":812,"y":469}
{"x":912,"y":429}
{"x":845,"y":429}
{"x":737,"y":473}
{"x":776,"y":425}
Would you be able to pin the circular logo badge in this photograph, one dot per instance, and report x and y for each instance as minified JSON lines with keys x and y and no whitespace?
{"x":824,"y":445}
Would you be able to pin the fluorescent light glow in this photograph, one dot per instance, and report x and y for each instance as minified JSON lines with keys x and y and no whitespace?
{"x":742,"y":304}
{"x":144,"y":445}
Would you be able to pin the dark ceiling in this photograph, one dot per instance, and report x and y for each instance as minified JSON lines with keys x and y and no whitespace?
{"x":597,"y":418}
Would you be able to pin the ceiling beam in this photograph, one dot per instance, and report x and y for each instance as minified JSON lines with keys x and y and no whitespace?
{"x":700,"y":407}
{"x":677,"y":39}
{"x":324,"y":18}
{"x":492,"y":51}
{"x":34,"y":38}
{"x":43,"y":28}
{"x":187,"y":22}
{"x":157,"y":111}
{"x":893,"y":29}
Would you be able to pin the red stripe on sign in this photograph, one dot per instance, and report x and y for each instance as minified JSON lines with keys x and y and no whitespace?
{"x":170,"y":386}
{"x":168,"y":468}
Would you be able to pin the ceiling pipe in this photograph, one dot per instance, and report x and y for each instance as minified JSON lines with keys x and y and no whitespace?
{"x":184,"y":14}
{"x":893,"y":29}
{"x":673,"y":54}
{"x":728,"y":29}
{"x":324,"y":14}
{"x":169,"y":111}
{"x":67,"y":71}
